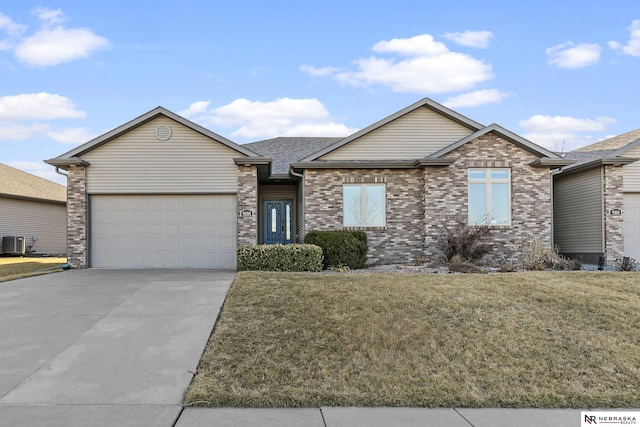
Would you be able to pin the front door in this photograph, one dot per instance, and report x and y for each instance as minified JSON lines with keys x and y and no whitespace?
{"x":277,"y":222}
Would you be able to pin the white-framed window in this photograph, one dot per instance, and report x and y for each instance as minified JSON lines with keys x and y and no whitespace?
{"x":364,"y":205}
{"x":489,"y":196}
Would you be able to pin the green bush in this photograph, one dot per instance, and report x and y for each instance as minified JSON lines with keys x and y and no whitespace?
{"x":280,"y":258}
{"x":341,"y":248}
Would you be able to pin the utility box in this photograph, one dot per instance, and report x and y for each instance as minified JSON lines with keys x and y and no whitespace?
{"x":14,"y":245}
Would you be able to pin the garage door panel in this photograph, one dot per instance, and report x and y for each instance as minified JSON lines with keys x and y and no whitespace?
{"x":632,"y":225}
{"x":137,"y":231}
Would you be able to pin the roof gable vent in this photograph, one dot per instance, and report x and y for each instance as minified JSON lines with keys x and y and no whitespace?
{"x":163,"y":132}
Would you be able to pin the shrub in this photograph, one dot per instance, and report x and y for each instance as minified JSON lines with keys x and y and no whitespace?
{"x":467,"y":242}
{"x":536,"y":255}
{"x":340,"y":247}
{"x":280,"y":258}
{"x":626,"y":264}
{"x":460,"y":265}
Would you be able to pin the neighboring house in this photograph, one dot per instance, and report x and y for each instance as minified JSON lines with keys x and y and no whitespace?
{"x":33,"y":208}
{"x":161,"y":191}
{"x":597,"y":201}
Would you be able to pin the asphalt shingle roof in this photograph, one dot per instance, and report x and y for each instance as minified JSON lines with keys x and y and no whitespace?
{"x":16,"y":183}
{"x":285,"y":150}
{"x":613,"y":143}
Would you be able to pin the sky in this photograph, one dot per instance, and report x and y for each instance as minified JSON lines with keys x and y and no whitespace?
{"x":563,"y":74}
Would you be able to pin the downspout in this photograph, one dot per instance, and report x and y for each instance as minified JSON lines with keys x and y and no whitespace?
{"x":301,"y":176}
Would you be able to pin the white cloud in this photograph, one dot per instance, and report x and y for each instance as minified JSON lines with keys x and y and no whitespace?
{"x":49,"y":16}
{"x":633,"y":45}
{"x":37,"y":106}
{"x":281,"y":117}
{"x":569,"y":55}
{"x":563,"y":133}
{"x":478,"y":39}
{"x":428,"y":67}
{"x":58,"y":45}
{"x":478,"y":97}
{"x":11,"y":28}
{"x":196,"y":108}
{"x":318,"y":71}
{"x":24,"y":116}
{"x":42,"y":170}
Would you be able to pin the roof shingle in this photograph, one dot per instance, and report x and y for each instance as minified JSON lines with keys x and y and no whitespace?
{"x":16,"y":183}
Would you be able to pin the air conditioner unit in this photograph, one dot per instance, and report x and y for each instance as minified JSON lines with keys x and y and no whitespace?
{"x":14,"y":245}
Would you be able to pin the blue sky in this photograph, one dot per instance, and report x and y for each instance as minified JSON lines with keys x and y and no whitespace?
{"x":562,"y":73}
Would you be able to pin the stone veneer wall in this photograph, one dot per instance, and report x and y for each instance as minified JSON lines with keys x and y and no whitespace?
{"x":77,"y":217}
{"x":248,"y":199}
{"x":446,"y":194}
{"x":401,"y":241}
{"x":613,"y":225}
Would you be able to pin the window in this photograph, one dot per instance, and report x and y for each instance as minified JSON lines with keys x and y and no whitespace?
{"x":364,"y":205}
{"x":489,"y":196}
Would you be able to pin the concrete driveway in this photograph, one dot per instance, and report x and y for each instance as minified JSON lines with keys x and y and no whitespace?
{"x":104,"y":347}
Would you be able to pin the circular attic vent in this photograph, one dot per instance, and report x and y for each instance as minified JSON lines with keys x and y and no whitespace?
{"x":163,"y":132}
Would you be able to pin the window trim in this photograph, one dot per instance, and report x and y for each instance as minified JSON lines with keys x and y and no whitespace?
{"x":363,"y":203}
{"x":488,"y":181}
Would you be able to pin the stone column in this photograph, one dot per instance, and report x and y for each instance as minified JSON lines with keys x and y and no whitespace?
{"x":77,"y":217}
{"x":613,"y":224}
{"x":247,"y":201}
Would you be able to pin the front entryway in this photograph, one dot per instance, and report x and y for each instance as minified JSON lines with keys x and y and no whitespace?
{"x":278,"y":222}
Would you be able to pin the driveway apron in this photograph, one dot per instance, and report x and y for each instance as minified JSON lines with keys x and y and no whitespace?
{"x":96,"y":347}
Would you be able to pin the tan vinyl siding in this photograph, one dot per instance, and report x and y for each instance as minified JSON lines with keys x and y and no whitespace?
{"x":277,"y":192}
{"x":412,"y":136}
{"x":578,"y":212}
{"x":46,"y":221}
{"x":137,"y":162}
{"x":631,"y":181}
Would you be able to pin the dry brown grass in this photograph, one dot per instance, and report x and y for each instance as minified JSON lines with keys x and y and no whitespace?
{"x":16,"y":268}
{"x":541,"y":339}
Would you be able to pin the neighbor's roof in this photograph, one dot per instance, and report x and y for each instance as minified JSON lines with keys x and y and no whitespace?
{"x":17,"y":184}
{"x":614,"y":143}
{"x":608,"y":152}
{"x":286,"y":150}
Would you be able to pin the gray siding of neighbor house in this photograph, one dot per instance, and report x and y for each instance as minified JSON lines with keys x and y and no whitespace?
{"x":276,"y":192}
{"x":137,"y":162}
{"x":46,"y":221}
{"x":412,"y":136}
{"x":578,"y":214}
{"x":631,"y":182}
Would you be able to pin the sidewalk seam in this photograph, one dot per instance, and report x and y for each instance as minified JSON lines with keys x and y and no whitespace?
{"x":175,"y":423}
{"x":322,"y":415}
{"x":462,"y":416}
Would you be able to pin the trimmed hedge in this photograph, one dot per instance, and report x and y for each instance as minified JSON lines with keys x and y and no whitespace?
{"x":280,"y":258}
{"x":341,"y":247}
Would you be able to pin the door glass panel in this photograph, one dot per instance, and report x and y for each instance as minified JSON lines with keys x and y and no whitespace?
{"x":288,"y":222}
{"x":274,"y":217}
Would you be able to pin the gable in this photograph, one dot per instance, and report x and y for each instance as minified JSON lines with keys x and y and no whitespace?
{"x":414,"y":135}
{"x":138,"y":162}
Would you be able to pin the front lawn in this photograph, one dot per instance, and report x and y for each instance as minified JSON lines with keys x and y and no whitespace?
{"x":489,"y":340}
{"x":19,"y":267}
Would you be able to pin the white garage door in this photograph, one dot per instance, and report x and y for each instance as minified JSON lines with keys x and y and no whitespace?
{"x":165,"y":231}
{"x":632,"y":225}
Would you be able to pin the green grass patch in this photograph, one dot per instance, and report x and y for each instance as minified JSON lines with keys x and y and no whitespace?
{"x":516,"y":340}
{"x":17,"y":268}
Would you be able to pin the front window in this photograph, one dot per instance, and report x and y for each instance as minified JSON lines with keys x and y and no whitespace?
{"x":489,"y":196}
{"x":364,"y":205}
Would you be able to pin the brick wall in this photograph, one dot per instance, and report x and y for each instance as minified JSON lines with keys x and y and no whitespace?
{"x":77,"y":217}
{"x":248,"y":199}
{"x":401,"y":241}
{"x":613,"y":225}
{"x":446,"y":195}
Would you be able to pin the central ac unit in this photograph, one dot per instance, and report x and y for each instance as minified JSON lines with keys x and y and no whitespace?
{"x":14,"y":245}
